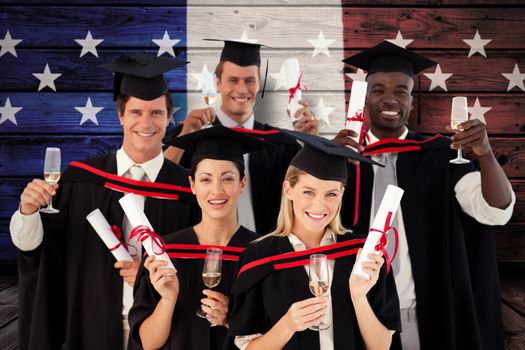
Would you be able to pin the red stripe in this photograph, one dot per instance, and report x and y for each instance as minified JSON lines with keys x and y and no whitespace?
{"x":254,"y":263}
{"x":204,"y":247}
{"x":399,"y":141}
{"x":357,"y":190}
{"x":258,"y":132}
{"x":307,"y":261}
{"x":393,"y":149}
{"x":200,"y":256}
{"x":308,"y":252}
{"x":129,"y":181}
{"x":142,"y":193}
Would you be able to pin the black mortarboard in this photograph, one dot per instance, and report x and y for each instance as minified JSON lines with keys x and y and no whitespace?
{"x":388,"y":57}
{"x":323,"y":158}
{"x":243,"y":54}
{"x":240,"y":52}
{"x":218,"y":142}
{"x":141,"y":75}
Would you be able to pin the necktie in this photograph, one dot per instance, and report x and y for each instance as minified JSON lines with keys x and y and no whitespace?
{"x":245,"y":205}
{"x":384,"y":177}
{"x":136,"y":172}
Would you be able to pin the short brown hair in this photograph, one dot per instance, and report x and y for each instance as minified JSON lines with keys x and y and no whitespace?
{"x":122,"y":100}
{"x":220,"y":67}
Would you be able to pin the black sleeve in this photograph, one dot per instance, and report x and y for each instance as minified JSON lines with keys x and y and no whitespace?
{"x":384,"y":301}
{"x":246,"y":310}
{"x":145,"y":299}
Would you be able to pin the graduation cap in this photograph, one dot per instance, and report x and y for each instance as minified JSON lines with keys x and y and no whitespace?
{"x":388,"y":57}
{"x":243,"y":54}
{"x":323,"y":158}
{"x":218,"y":142}
{"x":141,"y":75}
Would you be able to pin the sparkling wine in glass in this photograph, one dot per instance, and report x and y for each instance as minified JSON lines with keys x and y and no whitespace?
{"x":459,"y":115}
{"x":319,"y":282}
{"x":211,"y":272}
{"x":51,"y":174}
{"x":209,"y":90}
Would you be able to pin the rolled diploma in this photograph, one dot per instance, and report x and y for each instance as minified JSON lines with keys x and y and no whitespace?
{"x":293,"y":72}
{"x":356,"y":104}
{"x":131,"y":207}
{"x":389,"y":203}
{"x":103,"y":229}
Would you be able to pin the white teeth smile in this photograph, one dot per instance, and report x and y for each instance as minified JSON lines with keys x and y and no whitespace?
{"x":239,"y":99}
{"x":218,"y":201}
{"x":391,"y":113}
{"x":145,"y":134}
{"x":316,"y":216}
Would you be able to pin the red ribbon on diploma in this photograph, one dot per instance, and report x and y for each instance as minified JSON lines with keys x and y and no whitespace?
{"x":143,"y":233}
{"x":293,"y":90}
{"x":359,"y":116}
{"x":118,"y":234}
{"x":383,"y":241}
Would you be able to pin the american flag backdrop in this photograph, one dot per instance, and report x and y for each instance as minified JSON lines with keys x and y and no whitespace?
{"x":52,"y":92}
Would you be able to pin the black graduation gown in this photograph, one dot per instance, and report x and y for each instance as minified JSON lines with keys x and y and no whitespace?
{"x":267,"y":169}
{"x":70,"y":293}
{"x":188,"y":331}
{"x":256,"y":307}
{"x":453,"y":256}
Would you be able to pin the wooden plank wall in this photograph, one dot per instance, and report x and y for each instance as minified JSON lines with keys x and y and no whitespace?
{"x":437,"y":27}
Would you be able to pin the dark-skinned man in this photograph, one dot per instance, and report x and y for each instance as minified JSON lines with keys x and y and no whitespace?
{"x":445,"y":270}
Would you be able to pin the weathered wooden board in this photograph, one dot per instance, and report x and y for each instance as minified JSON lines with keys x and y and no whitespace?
{"x":436,"y":27}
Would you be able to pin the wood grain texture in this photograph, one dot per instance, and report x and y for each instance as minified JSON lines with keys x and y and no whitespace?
{"x":436,"y":27}
{"x":513,"y":295}
{"x":24,"y":156}
{"x":476,"y":73}
{"x":324,"y":3}
{"x":52,"y":113}
{"x":321,"y":73}
{"x":77,"y":73}
{"x":8,"y":251}
{"x":127,"y":26}
{"x":510,"y":242}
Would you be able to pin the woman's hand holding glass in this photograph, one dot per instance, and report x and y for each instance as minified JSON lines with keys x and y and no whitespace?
{"x":319,"y":282}
{"x":306,"y":313}
{"x":215,"y":305}
{"x":211,"y":272}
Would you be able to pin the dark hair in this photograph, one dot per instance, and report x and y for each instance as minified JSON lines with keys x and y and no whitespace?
{"x":193,"y":168}
{"x":123,"y":99}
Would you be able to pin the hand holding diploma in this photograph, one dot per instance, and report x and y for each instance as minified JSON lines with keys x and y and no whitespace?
{"x":152,"y":243}
{"x":376,"y":239}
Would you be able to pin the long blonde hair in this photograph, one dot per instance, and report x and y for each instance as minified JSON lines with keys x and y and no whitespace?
{"x":285,"y":218}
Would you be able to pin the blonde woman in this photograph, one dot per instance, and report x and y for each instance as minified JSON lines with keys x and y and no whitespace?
{"x":271,"y":306}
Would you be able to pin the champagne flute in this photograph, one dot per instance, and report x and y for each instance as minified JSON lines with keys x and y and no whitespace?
{"x":459,"y":115}
{"x":209,"y":90}
{"x":211,"y":272}
{"x":51,"y":174}
{"x":319,"y":282}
